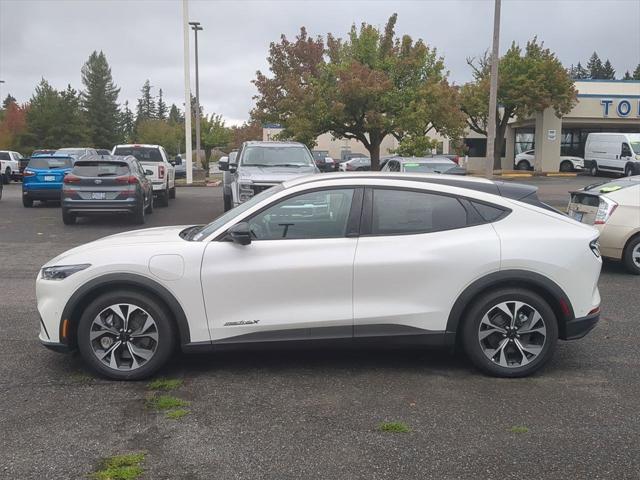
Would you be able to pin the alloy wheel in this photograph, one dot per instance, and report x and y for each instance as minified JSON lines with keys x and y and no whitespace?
{"x":512,"y":334}
{"x":123,"y":336}
{"x":635,"y":255}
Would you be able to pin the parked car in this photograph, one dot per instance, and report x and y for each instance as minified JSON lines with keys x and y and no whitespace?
{"x":400,"y":252}
{"x":568,"y":163}
{"x":24,"y":161}
{"x":79,"y":153}
{"x":355,"y":164}
{"x":155,"y":159}
{"x":614,"y":209}
{"x":613,"y":152}
{"x":1,"y":188}
{"x":423,"y":165}
{"x":101,"y":184}
{"x":43,"y":176}
{"x":261,"y":165}
{"x":9,"y":165}
{"x":323,"y":161}
{"x":453,"y":157}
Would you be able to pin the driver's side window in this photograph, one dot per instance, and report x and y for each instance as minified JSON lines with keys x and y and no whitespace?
{"x":626,"y":150}
{"x":318,"y":214}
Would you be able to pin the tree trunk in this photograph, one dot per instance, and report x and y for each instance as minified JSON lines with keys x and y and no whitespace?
{"x":374,"y":153}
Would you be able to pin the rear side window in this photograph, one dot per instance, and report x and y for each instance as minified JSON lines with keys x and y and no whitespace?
{"x":143,"y":154}
{"x":100,"y":169}
{"x":488,"y":212}
{"x":397,"y":212}
{"x":50,"y":163}
{"x":5,"y":156}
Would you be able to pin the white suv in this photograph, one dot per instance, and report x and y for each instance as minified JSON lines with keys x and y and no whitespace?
{"x":9,"y":165}
{"x":411,"y":258}
{"x":155,"y":159}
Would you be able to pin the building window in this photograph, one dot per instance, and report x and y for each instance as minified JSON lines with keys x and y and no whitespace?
{"x":477,"y":147}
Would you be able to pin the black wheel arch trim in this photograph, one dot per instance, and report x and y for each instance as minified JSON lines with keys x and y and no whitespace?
{"x":559,"y":300}
{"x":124,"y":280}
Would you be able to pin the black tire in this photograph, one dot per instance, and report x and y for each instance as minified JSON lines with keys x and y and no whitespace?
{"x":68,"y":218}
{"x":149,"y":208}
{"x":226,"y":199}
{"x":27,"y":202}
{"x":165,"y":334}
{"x":628,"y":170}
{"x":172,"y":192}
{"x":6,"y":178}
{"x":163,"y":198}
{"x":138,"y":215}
{"x":593,"y":169}
{"x":471,"y":332}
{"x":630,"y":250}
{"x":523,"y":165}
{"x":566,"y":166}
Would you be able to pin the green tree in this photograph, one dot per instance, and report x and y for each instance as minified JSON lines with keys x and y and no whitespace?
{"x":251,"y":130}
{"x":99,"y":101}
{"x":595,"y":67}
{"x":578,"y":72}
{"x":146,"y":109}
{"x":364,"y":87}
{"x":162,"y":107}
{"x":529,"y":81}
{"x":9,"y":99}
{"x":160,"y":132}
{"x":174,"y":114}
{"x":127,"y":123}
{"x":608,"y":73}
{"x":214,"y":134}
{"x":636,"y":73}
{"x":627,"y":76}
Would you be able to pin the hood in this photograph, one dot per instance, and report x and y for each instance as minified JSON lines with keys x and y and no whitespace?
{"x":135,"y":237}
{"x":274,"y":174}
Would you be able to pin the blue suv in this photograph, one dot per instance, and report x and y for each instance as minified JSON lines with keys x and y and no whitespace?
{"x":42,"y":178}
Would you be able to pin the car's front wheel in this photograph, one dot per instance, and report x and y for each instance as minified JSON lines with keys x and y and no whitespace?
{"x":27,"y":202}
{"x":523,"y":165}
{"x":6,"y":178}
{"x":631,"y":256}
{"x":509,"y":332}
{"x":566,"y":166}
{"x":125,"y":335}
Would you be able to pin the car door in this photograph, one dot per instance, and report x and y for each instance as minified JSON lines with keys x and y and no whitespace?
{"x":294,"y":281}
{"x":417,"y":252}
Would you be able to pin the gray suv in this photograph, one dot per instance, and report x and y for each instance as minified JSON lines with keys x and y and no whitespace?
{"x":261,"y":165}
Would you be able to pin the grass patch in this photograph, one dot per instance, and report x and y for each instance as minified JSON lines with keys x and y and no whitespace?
{"x":166,"y":402}
{"x":177,"y":414}
{"x":394,"y":427}
{"x":519,"y":429}
{"x":165,"y":384}
{"x":120,"y":467}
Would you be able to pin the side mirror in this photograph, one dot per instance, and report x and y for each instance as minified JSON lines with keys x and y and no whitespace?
{"x":148,"y":173}
{"x":223,"y":165}
{"x":177,"y":160}
{"x":172,"y":162}
{"x":240,"y":233}
{"x":233,"y":167}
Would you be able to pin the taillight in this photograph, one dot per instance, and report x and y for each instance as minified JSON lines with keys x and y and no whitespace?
{"x":28,"y":173}
{"x":456,"y":159}
{"x":161,"y":171}
{"x":128,"y":179}
{"x":594,"y":245}
{"x":71,"y":179}
{"x":348,"y":167}
{"x":606,"y":208}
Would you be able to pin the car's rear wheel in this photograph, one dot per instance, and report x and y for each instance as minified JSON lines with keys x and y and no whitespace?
{"x":566,"y":166}
{"x":593,"y":169}
{"x":523,"y":165}
{"x":68,"y":218}
{"x":163,"y":198}
{"x":6,"y":178}
{"x":510,"y":332}
{"x":172,"y":192}
{"x":27,"y":202}
{"x":138,"y":215}
{"x":631,"y":256}
{"x":150,"y":206}
{"x":125,"y":335}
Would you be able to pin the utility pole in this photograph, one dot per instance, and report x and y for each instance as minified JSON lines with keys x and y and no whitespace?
{"x":187,"y":92}
{"x":195,"y":26}
{"x":493,"y":92}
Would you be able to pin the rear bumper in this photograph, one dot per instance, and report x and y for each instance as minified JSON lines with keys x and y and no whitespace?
{"x":42,"y":193}
{"x":101,"y":206}
{"x":579,"y":327}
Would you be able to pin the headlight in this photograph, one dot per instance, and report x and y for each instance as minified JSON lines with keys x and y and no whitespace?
{"x":246,"y":191}
{"x":60,"y":272}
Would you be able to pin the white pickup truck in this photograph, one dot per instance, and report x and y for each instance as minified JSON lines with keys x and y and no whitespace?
{"x":155,"y":159}
{"x":9,"y":165}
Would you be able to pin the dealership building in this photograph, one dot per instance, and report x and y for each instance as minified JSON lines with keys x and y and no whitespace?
{"x":603,"y":106}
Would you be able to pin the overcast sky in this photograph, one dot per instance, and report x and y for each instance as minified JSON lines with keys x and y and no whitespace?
{"x":143,"y":38}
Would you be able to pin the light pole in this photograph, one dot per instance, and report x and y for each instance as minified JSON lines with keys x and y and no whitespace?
{"x":493,"y":91}
{"x":195,"y":26}
{"x":187,"y":92}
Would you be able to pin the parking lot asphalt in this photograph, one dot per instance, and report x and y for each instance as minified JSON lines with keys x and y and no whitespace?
{"x":312,"y":413}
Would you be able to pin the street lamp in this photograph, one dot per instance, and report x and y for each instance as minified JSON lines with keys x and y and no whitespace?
{"x":195,"y":26}
{"x":187,"y":90}
{"x":493,"y":92}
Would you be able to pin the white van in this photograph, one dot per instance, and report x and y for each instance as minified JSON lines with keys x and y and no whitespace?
{"x":613,"y":152}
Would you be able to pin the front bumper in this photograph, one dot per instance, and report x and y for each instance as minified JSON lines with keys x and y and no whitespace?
{"x":579,"y":327}
{"x":55,"y":346}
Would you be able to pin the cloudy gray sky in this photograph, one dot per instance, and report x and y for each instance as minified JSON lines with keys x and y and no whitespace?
{"x":143,"y":38}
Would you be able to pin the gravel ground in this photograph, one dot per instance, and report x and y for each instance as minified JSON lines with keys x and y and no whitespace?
{"x":313,"y":413}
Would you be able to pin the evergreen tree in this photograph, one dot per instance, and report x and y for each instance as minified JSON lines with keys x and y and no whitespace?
{"x":9,"y":99}
{"x":127,"y":123}
{"x":74,"y":130}
{"x":174,"y":114}
{"x":162,"y":107}
{"x":595,"y":67}
{"x":146,"y":109}
{"x":580,"y":73}
{"x":608,"y":73}
{"x":100,"y":101}
{"x":636,"y":73}
{"x":627,"y":76}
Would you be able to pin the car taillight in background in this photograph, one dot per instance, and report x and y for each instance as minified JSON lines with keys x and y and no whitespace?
{"x":456,"y":159}
{"x":606,"y":208}
{"x":28,"y":173}
{"x":71,"y":179}
{"x":130,"y":179}
{"x":161,"y":171}
{"x":348,"y":166}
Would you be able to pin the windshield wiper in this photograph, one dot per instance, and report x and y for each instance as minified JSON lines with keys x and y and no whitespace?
{"x":257,"y":164}
{"x":291,"y":165}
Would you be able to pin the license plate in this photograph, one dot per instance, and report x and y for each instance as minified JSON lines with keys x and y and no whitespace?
{"x":98,"y":196}
{"x":49,"y":178}
{"x":577,"y":215}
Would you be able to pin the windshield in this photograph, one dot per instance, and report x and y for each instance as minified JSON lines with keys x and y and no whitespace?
{"x":635,"y":146}
{"x":100,"y":169}
{"x":234,"y":212}
{"x":76,"y":152}
{"x":430,"y":167}
{"x":143,"y":154}
{"x":261,"y":156}
{"x":50,"y":163}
